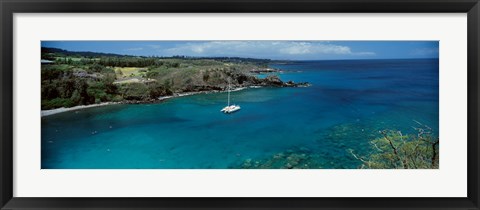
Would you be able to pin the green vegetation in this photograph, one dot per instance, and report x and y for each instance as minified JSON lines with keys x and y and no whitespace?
{"x":396,"y":150}
{"x":83,"y":78}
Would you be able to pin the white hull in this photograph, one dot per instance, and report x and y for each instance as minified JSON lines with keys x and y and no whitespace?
{"x":230,"y":109}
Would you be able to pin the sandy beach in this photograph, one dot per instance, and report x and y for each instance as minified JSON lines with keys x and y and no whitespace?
{"x":63,"y":109}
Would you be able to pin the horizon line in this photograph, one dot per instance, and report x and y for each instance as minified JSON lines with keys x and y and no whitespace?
{"x":272,"y":59}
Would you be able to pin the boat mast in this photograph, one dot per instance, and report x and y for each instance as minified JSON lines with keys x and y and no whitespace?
{"x":228,"y":104}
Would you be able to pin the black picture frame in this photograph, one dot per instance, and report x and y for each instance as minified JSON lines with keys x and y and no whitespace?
{"x":10,"y":7}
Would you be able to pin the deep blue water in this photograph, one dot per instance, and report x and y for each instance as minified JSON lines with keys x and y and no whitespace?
{"x":347,"y":104}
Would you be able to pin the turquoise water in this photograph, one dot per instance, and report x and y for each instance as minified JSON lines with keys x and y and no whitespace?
{"x":346,"y":106}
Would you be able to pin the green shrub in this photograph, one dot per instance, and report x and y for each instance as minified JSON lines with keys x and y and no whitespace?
{"x":157,"y":90}
{"x":117,"y":98}
{"x":57,"y":103}
{"x":134,"y":91}
{"x":395,"y":150}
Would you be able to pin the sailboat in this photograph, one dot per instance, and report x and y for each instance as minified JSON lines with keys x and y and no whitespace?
{"x":230,"y":108}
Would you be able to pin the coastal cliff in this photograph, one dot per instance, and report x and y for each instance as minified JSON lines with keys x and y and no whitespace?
{"x":73,"y":79}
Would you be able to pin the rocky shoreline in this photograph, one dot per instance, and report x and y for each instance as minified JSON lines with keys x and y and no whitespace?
{"x":274,"y":81}
{"x":249,"y":82}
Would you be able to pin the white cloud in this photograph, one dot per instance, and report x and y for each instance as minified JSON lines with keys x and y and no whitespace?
{"x":259,"y":48}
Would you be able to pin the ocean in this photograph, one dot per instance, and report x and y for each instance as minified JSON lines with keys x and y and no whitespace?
{"x":347,"y":104}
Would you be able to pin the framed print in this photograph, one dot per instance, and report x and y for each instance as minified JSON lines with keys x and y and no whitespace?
{"x":252,"y":105}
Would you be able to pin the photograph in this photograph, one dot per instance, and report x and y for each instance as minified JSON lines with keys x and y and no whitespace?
{"x":198,"y":104}
{"x":239,"y":104}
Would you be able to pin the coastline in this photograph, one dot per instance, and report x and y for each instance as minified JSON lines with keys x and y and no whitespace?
{"x":63,"y":109}
{"x":160,"y":99}
{"x":176,"y":95}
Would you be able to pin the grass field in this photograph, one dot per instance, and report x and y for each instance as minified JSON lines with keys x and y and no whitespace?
{"x":126,"y":72}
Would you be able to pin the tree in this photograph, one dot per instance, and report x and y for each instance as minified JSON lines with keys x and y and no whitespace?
{"x":96,"y":92}
{"x":81,"y":86}
{"x":157,"y":90}
{"x":395,"y":150}
{"x":76,"y":98}
{"x":49,"y":90}
{"x":134,"y":91}
{"x":96,"y":68}
{"x":66,"y":87}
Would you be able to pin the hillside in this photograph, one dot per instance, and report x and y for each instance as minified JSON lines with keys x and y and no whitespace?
{"x":83,"y":78}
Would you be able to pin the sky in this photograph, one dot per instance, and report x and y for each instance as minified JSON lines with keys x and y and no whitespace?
{"x":281,"y":50}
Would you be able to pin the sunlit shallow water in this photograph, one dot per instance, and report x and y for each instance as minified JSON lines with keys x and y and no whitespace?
{"x":346,"y":106}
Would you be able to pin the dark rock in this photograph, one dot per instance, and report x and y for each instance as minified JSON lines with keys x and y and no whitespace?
{"x":273,"y":81}
{"x":84,"y":74}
